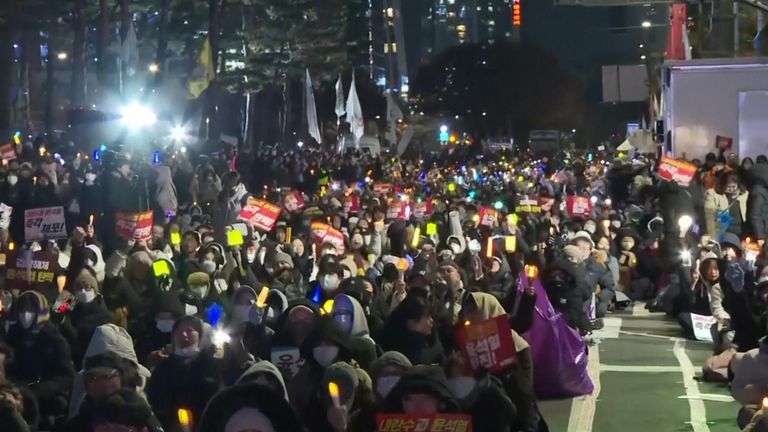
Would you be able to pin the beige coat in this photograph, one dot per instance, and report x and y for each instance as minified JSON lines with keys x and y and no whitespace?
{"x":715,"y":203}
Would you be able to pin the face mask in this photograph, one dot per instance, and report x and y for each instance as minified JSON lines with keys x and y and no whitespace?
{"x":251,"y":254}
{"x":208,"y":266}
{"x":329,"y":282}
{"x":12,"y":180}
{"x":199,"y":290}
{"x":455,"y":248}
{"x":27,"y":319}
{"x":461,"y":387}
{"x":85,"y":296}
{"x":616,"y":224}
{"x":187,"y":352}
{"x":190,"y":310}
{"x":345,"y":321}
{"x":165,"y":326}
{"x":384,"y":385}
{"x":325,"y":355}
{"x":90,"y":177}
{"x":242,"y":313}
{"x":367,"y":239}
{"x":590,"y":228}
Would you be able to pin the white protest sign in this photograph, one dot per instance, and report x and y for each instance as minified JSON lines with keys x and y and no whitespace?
{"x":287,"y":359}
{"x":5,"y":215}
{"x":702,"y":326}
{"x":44,"y":223}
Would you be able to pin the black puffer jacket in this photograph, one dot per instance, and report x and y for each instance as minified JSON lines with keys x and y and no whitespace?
{"x":757,"y":205}
{"x":567,"y":292}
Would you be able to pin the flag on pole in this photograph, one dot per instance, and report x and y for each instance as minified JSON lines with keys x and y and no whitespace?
{"x":355,"y":113}
{"x":314,"y":128}
{"x":393,"y":115}
{"x":129,"y":51}
{"x":340,"y":111}
{"x":204,"y":72}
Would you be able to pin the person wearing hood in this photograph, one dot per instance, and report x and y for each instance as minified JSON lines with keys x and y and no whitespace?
{"x":229,"y":203}
{"x":349,"y":314}
{"x":188,"y":378}
{"x":199,"y":285}
{"x":249,"y":406}
{"x":421,"y":390}
{"x":262,"y":322}
{"x":109,"y":339}
{"x":153,"y":334}
{"x":329,"y":276}
{"x":326,"y":344}
{"x":410,"y":330}
{"x":567,"y":293}
{"x":698,"y":299}
{"x":757,"y":204}
{"x":123,"y":410}
{"x":385,"y":373}
{"x":89,"y":312}
{"x":134,"y":291}
{"x":354,"y":397}
{"x":165,"y":202}
{"x":737,"y":199}
{"x":212,"y":261}
{"x":266,"y":374}
{"x":42,"y":358}
{"x":283,"y":276}
{"x":498,"y":280}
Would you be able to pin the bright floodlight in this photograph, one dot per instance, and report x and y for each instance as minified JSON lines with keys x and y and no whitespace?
{"x":178,"y":133}
{"x":300,"y":144}
{"x":646,"y":24}
{"x":684,"y":223}
{"x":444,"y":129}
{"x":154,"y":68}
{"x":61,"y":56}
{"x":137,"y":116}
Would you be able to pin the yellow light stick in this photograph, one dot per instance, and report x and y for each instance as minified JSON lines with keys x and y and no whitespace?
{"x":288,"y":234}
{"x":416,"y":237}
{"x":510,"y":243}
{"x":333,"y":390}
{"x":489,"y":248}
{"x":185,"y":417}
{"x":261,"y":301}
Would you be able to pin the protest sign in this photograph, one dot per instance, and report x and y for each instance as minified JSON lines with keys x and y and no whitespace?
{"x":134,"y":226}
{"x":528,"y":205}
{"x":398,"y":210}
{"x":579,"y":206}
{"x":294,"y":202}
{"x":382,"y":188}
{"x":5,"y":215}
{"x":702,"y":327}
{"x":422,"y":210}
{"x":7,"y":152}
{"x":677,"y":171}
{"x":33,"y":270}
{"x":44,"y":223}
{"x":324,"y":233}
{"x":439,"y":422}
{"x":724,"y":142}
{"x":259,"y":213}
{"x":488,"y":217}
{"x":351,"y":204}
{"x":487,"y":344}
{"x":287,"y":359}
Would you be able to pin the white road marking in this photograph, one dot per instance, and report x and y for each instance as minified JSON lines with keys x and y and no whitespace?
{"x":610,"y":330}
{"x":669,"y":338}
{"x":712,"y":397}
{"x":697,"y":409}
{"x":583,"y":407}
{"x":645,"y":369}
{"x":638,"y":309}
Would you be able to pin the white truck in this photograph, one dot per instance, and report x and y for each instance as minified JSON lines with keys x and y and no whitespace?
{"x":710,"y":98}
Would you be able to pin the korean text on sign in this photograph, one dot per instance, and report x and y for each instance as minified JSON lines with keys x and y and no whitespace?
{"x":423,"y":423}
{"x":677,"y":171}
{"x":44,"y":223}
{"x":488,"y":344}
{"x":134,"y":226}
{"x":261,"y":214}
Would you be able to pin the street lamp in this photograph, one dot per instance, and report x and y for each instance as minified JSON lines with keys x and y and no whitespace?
{"x":154,"y":68}
{"x":61,"y":56}
{"x":136,"y":116}
{"x":642,"y":57}
{"x":646,"y":24}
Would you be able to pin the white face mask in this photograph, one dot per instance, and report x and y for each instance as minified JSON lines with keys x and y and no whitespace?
{"x":165,"y":326}
{"x":199,"y":290}
{"x":367,"y":239}
{"x":85,"y":296}
{"x":189,"y":351}
{"x":90,"y":177}
{"x":241,"y":313}
{"x":461,"y":387}
{"x":329,"y":282}
{"x":251,"y":254}
{"x":208,"y":266}
{"x":325,"y":355}
{"x":385,"y":384}
{"x":27,"y":319}
{"x":247,"y":419}
{"x":455,"y":248}
{"x":590,"y":228}
{"x":190,"y":310}
{"x":12,"y":180}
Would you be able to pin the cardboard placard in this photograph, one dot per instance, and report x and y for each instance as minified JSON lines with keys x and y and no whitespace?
{"x":382,"y":188}
{"x":398,"y":210}
{"x":677,"y":171}
{"x":579,"y":206}
{"x":287,"y":359}
{"x":260,"y":213}
{"x":528,"y":205}
{"x":294,"y":202}
{"x":134,"y":226}
{"x":422,"y":210}
{"x":324,"y":233}
{"x":5,"y":215}
{"x":487,"y":345}
{"x":351,"y":204}
{"x":7,"y":152}
{"x":33,"y":270}
{"x":488,"y":217}
{"x":44,"y":223}
{"x":702,"y":326}
{"x":423,"y":423}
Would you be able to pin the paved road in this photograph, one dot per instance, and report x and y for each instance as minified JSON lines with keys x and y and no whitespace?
{"x":646,"y":379}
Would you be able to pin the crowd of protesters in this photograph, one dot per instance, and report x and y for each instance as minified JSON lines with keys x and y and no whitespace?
{"x":349,"y":304}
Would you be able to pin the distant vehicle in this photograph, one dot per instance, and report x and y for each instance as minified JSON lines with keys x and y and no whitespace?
{"x":544,"y":142}
{"x":371,"y":144}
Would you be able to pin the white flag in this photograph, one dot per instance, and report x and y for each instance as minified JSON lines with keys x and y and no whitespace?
{"x":340,"y":111}
{"x":129,"y":51}
{"x":355,"y":113}
{"x":393,"y":115}
{"x":314,"y":129}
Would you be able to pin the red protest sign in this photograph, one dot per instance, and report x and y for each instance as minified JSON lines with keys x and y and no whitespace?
{"x":324,"y":233}
{"x":134,"y":226}
{"x":439,"y":422}
{"x":422,"y":210}
{"x":261,"y":214}
{"x":351,"y":204}
{"x":579,"y":206}
{"x":398,"y":210}
{"x":382,"y":188}
{"x":294,"y":202}
{"x":546,"y":203}
{"x":487,"y":344}
{"x":677,"y":171}
{"x":7,"y":152}
{"x":488,"y":217}
{"x":724,"y":142}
